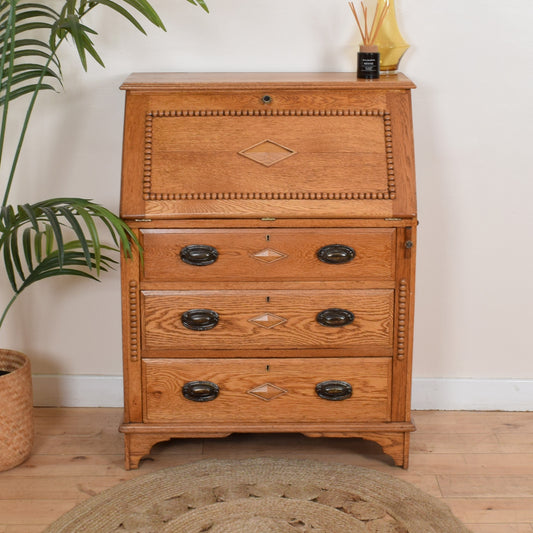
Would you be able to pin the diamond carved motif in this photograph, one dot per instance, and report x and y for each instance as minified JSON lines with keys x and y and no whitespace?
{"x":268,"y":320}
{"x":267,"y":392}
{"x":267,"y":152}
{"x":268,"y":255}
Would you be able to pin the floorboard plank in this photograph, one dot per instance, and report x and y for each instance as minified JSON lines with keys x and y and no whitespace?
{"x":492,"y":510}
{"x":488,"y":486}
{"x":22,"y":513}
{"x":479,"y":463}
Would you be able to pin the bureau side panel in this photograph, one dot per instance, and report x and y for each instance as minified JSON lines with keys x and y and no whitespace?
{"x":134,"y":152}
{"x":399,"y":103}
{"x":404,"y":315}
{"x":131,"y":338}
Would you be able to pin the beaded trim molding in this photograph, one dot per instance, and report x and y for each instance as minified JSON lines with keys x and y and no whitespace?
{"x":148,"y":194}
{"x":403,"y":295}
{"x":134,"y":326}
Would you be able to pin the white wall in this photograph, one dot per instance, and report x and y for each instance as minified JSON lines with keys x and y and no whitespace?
{"x":473,"y":129}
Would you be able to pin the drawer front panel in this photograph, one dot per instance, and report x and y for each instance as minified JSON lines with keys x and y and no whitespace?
{"x":277,"y":254}
{"x":281,"y":390}
{"x":324,"y":151}
{"x":262,"y":319}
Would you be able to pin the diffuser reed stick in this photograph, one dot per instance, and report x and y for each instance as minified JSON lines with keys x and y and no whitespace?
{"x":369,"y":36}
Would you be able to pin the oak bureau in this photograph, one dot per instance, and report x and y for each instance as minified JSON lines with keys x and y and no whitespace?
{"x":277,"y":215}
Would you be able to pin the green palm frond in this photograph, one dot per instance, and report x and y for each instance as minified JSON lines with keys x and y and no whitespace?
{"x":34,"y":240}
{"x":31,"y":33}
{"x":28,"y":64}
{"x":69,"y":23}
{"x":200,"y":3}
{"x":60,"y":236}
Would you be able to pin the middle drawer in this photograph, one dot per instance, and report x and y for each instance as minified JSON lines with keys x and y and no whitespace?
{"x":275,"y":254}
{"x":263,"y":319}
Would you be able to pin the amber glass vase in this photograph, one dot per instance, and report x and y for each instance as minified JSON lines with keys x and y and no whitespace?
{"x":389,"y":40}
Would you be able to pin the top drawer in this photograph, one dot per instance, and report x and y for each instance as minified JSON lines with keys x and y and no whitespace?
{"x":269,"y":254}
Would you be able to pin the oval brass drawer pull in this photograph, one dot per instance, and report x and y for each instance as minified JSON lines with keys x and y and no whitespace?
{"x":334,"y":390}
{"x":200,"y":391}
{"x":336,"y":254}
{"x":199,"y":319}
{"x":335,"y":318}
{"x":199,"y":254}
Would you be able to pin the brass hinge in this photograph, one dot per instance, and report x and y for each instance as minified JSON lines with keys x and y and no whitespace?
{"x":143,"y":220}
{"x":393,"y":219}
{"x":268,"y":219}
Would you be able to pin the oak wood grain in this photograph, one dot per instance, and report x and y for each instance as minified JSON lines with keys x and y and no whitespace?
{"x":268,"y":168}
{"x":270,"y":254}
{"x":183,"y":142}
{"x":65,"y":467}
{"x":131,"y":337}
{"x":284,"y":390}
{"x":404,"y":323}
{"x":172,"y":80}
{"x":267,"y":319}
{"x":212,"y":154}
{"x":262,"y":207}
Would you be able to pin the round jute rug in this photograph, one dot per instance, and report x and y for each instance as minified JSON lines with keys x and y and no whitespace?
{"x":261,"y":496}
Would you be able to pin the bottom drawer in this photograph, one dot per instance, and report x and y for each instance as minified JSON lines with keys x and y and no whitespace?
{"x":267,"y":390}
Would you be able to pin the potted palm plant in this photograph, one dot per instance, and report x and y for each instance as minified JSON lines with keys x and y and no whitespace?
{"x":57,"y":236}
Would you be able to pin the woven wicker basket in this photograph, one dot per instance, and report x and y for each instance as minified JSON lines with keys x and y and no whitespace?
{"x":16,"y":409}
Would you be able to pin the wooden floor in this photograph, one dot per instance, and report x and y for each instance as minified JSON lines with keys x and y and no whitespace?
{"x":480,"y":463}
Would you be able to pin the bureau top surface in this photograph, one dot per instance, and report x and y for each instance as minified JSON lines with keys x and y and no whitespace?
{"x":226,"y":80}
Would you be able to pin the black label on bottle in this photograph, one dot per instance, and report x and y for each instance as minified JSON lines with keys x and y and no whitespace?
{"x":368,"y":65}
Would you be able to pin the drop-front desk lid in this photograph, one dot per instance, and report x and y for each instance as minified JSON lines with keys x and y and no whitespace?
{"x":267,"y":145}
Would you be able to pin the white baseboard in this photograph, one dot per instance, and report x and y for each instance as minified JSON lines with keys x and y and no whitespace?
{"x":428,"y":393}
{"x":472,"y":394}
{"x":51,"y":390}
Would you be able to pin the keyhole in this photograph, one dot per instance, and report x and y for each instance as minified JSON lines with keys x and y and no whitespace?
{"x":268,"y":237}
{"x":267,"y":368}
{"x":268,"y":299}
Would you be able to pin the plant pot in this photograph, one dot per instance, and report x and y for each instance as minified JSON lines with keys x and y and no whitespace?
{"x":16,"y":409}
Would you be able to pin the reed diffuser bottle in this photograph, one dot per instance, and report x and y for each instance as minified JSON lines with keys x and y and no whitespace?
{"x":368,"y":62}
{"x":368,"y":56}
